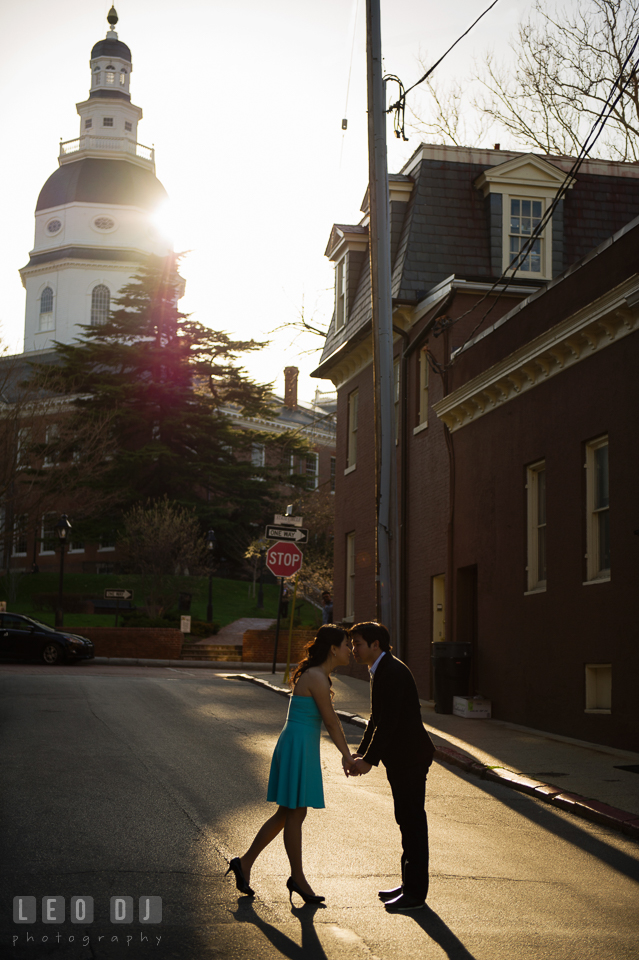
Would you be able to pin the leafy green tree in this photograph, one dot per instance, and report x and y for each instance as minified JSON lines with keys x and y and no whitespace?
{"x":162,"y":381}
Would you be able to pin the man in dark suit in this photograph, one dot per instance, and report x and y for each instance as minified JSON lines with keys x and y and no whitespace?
{"x":395,"y":735}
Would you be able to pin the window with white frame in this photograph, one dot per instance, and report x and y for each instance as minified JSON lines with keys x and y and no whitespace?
{"x":107,"y":121}
{"x":536,"y":498}
{"x":20,"y":536}
{"x":75,"y":544}
{"x":100,"y":304}
{"x":110,"y":75}
{"x":396,"y":386}
{"x":422,"y":398}
{"x":598,"y":688}
{"x":88,"y":124}
{"x":107,"y":541}
{"x":349,"y":611}
{"x":51,"y":436}
{"x":351,"y":440}
{"x":48,"y":536}
{"x":597,"y":510}
{"x":24,"y":446}
{"x":258,"y":454}
{"x":122,"y":77}
{"x":312,"y":465}
{"x":525,"y":217}
{"x":340,"y":294}
{"x":46,"y":309}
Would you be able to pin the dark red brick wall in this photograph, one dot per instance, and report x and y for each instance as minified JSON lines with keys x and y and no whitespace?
{"x":258,"y":645}
{"x":355,"y":502}
{"x":143,"y":642}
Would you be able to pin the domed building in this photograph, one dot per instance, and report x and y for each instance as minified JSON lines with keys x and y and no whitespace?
{"x":94,"y":215}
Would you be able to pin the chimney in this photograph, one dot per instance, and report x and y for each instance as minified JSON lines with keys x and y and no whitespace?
{"x":290,"y":387}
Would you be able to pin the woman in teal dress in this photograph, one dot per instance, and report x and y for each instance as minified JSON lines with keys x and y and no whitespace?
{"x":295,"y":781}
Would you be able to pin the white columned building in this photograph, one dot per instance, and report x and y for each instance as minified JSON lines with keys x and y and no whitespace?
{"x":94,"y":215}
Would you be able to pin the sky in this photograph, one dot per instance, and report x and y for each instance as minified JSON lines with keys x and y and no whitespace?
{"x":243,"y":102}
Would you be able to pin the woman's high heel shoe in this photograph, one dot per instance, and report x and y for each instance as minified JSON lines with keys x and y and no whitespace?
{"x":306,"y":897}
{"x":240,"y":881}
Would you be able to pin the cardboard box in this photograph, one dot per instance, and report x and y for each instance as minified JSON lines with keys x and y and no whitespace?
{"x":475,"y":708}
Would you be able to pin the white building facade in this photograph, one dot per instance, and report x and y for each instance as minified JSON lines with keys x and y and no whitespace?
{"x":94,"y":215}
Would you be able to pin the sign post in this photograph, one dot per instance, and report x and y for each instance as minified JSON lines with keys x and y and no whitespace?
{"x":118,"y":595}
{"x":283,"y":560}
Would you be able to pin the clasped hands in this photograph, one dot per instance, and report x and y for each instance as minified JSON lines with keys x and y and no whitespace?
{"x":355,"y":766}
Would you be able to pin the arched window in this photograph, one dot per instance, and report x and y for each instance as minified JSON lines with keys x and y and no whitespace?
{"x":100,"y":303}
{"x":46,"y":309}
{"x":46,"y":300}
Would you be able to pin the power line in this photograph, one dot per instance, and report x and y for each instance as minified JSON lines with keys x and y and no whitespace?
{"x":595,"y":132}
{"x":400,"y":104}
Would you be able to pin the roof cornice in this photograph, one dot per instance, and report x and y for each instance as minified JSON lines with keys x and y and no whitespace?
{"x":580,"y":336}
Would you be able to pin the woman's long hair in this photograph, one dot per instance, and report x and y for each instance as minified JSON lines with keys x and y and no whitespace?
{"x":317,"y":650}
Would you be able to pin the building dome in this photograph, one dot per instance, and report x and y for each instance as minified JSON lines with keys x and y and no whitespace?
{"x":111,"y":48}
{"x":102,"y":181}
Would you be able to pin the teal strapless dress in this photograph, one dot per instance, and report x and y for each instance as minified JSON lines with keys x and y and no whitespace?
{"x":296,"y":774}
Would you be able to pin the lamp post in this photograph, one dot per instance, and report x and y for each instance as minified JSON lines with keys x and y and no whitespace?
{"x":260,"y":595}
{"x":210,"y":546}
{"x":62,"y":529}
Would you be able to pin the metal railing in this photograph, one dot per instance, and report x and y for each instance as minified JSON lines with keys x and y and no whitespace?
{"x":120,"y":144}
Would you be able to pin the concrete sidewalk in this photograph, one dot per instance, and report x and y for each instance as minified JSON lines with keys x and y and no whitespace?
{"x":583,"y":778}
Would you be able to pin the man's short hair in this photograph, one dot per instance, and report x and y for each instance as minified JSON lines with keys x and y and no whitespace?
{"x":370,"y":631}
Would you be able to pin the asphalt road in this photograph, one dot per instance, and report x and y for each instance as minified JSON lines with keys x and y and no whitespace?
{"x":146,"y":784}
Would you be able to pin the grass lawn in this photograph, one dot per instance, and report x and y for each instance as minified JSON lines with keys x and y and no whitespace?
{"x":232,"y":599}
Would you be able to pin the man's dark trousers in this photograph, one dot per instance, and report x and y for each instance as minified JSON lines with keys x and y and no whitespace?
{"x":408,"y":785}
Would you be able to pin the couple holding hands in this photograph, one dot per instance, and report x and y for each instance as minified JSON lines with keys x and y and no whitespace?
{"x":395,"y":735}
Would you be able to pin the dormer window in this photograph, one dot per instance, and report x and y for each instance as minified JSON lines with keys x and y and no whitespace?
{"x":340,"y":294}
{"x":122,"y":77}
{"x":518,"y":194}
{"x":107,"y":121}
{"x":525,"y":217}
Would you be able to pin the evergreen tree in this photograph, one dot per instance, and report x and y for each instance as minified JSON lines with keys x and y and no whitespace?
{"x":160,"y":381}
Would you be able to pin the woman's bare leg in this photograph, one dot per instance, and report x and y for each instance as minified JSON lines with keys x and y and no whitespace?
{"x":293,"y":845}
{"x":265,"y":835}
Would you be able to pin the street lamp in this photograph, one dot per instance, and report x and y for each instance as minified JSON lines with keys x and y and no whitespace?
{"x":210,"y":546}
{"x":260,"y":595}
{"x":62,"y":529}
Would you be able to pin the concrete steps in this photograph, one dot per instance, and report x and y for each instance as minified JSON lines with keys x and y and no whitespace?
{"x":211,"y":651}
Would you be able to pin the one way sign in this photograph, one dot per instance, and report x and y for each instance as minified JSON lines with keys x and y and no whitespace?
{"x":118,"y":594}
{"x":292,"y":534}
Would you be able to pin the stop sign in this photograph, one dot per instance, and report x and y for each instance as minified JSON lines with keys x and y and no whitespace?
{"x":284,"y":559}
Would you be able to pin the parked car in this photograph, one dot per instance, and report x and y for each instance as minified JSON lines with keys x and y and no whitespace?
{"x":25,"y":638}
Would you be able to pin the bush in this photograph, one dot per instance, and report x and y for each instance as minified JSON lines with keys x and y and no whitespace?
{"x":71,"y":602}
{"x":144,"y":620}
{"x":201,"y":628}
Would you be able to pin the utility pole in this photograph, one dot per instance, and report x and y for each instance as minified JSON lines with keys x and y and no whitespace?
{"x":379,"y":237}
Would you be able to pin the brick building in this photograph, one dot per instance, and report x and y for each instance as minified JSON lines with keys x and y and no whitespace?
{"x":504,"y":422}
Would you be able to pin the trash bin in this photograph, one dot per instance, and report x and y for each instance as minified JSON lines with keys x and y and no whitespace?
{"x":185,"y":602}
{"x":452,"y":661}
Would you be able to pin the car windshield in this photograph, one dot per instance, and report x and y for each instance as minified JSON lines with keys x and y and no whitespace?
{"x":40,"y":625}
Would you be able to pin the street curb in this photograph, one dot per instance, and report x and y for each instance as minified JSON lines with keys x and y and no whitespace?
{"x":206,"y":664}
{"x":584,"y":807}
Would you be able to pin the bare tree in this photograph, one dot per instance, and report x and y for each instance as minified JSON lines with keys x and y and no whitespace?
{"x":565,"y":64}
{"x":547,"y":94}
{"x":163,"y":542}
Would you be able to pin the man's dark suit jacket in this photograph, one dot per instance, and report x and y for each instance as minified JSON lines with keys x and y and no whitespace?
{"x":395,"y":733}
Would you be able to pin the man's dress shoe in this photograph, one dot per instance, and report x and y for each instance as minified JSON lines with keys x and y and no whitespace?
{"x":404,"y":902}
{"x":386,"y":895}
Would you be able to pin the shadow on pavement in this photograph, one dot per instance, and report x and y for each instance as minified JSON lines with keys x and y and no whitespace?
{"x":565,"y":827}
{"x":433,"y":925}
{"x":310,"y":948}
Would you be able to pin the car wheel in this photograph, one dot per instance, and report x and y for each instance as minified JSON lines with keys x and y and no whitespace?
{"x":52,"y":653}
